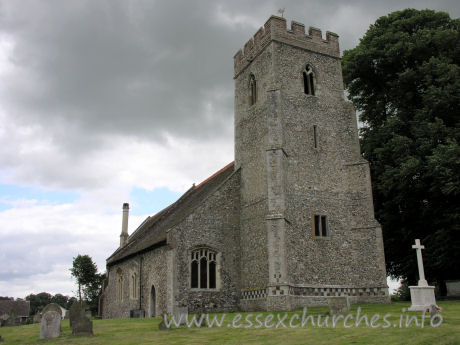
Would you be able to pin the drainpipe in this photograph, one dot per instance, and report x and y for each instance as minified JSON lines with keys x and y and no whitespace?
{"x":140,"y":281}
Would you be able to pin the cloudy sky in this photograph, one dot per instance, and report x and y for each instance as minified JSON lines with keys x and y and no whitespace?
{"x":105,"y":102}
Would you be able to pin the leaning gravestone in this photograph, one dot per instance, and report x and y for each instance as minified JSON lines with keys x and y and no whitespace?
{"x":79,"y":322}
{"x":50,"y":325}
{"x":338,"y":305}
{"x":53,"y":307}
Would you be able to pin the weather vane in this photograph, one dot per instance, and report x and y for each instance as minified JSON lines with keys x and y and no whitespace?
{"x":281,"y":11}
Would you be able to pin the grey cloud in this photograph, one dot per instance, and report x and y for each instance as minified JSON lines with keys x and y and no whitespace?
{"x":86,"y":70}
{"x":144,"y":67}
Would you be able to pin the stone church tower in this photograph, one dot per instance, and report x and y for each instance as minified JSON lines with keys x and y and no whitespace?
{"x":306,"y":202}
{"x":288,"y":224}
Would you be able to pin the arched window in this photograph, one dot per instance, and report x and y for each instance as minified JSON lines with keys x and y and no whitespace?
{"x":134,"y":285}
{"x":252,"y":90}
{"x":119,"y":285}
{"x":203,"y":269}
{"x":308,"y":80}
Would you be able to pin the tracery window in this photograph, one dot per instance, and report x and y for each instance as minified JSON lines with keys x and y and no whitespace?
{"x":309,"y":80}
{"x":203,"y":269}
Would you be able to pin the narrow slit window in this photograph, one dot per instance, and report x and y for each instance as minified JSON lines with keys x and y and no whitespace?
{"x":252,"y":90}
{"x":320,"y":228}
{"x":315,"y":136}
{"x":323,"y":226}
{"x":308,"y":81}
{"x":317,"y":221}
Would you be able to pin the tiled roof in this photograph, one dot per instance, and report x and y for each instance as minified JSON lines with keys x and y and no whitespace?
{"x":152,"y":232}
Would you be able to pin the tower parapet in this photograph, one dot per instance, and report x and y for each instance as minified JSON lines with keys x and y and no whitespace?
{"x":275,"y":29}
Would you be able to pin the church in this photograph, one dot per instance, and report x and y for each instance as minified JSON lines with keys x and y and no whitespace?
{"x":289,"y":223}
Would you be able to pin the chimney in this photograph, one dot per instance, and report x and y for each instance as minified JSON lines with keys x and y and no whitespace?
{"x":124,"y":225}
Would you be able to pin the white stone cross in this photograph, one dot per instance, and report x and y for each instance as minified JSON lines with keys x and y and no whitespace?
{"x":418,"y":247}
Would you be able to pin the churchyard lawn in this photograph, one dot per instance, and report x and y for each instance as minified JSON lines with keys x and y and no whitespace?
{"x":145,"y":331}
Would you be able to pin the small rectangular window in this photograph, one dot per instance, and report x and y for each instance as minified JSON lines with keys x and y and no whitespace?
{"x":320,"y":226}
{"x":323,"y":226}
{"x":317,"y":221}
{"x":315,"y":136}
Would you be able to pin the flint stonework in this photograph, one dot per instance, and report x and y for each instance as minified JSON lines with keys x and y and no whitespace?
{"x":297,"y":156}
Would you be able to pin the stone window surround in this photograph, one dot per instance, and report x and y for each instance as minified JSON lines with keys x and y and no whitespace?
{"x":134,"y":285}
{"x":218,"y":268}
{"x":328,"y":232}
{"x":119,"y":285}
{"x":315,"y":137}
{"x":315,"y":80}
{"x":252,"y":90}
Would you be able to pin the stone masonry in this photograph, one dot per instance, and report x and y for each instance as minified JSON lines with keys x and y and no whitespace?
{"x":297,"y":155}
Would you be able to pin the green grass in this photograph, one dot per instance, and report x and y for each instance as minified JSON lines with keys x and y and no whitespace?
{"x":145,"y":331}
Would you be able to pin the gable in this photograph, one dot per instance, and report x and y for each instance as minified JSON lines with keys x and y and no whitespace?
{"x":151,"y":233}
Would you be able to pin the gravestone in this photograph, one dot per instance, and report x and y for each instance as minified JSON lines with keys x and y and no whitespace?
{"x":453,"y":288}
{"x":53,"y":307}
{"x":422,"y":295}
{"x":137,"y":313}
{"x":201,"y":315}
{"x":162,"y":325}
{"x":181,"y":315}
{"x":338,"y":305}
{"x":3,"y":319}
{"x":50,"y":325}
{"x":82,"y":326}
{"x":79,"y":322}
{"x":37,"y":318}
{"x":75,"y":311}
{"x":1,"y":339}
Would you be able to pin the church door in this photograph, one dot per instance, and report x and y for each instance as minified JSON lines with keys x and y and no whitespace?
{"x":152,"y":302}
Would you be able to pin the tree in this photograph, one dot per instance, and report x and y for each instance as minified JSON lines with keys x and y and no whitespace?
{"x":70,"y":301}
{"x":404,"y":79}
{"x":38,"y":301}
{"x":60,"y":299}
{"x":84,"y":270}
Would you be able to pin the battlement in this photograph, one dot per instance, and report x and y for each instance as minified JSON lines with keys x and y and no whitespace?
{"x":275,"y":29}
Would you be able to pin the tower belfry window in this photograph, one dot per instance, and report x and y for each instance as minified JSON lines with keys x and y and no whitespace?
{"x":252,"y":90}
{"x":308,"y":81}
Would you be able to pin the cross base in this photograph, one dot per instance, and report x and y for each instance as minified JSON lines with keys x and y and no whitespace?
{"x":421,"y":297}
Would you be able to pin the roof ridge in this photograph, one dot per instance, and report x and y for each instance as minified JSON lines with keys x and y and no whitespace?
{"x":215,"y":174}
